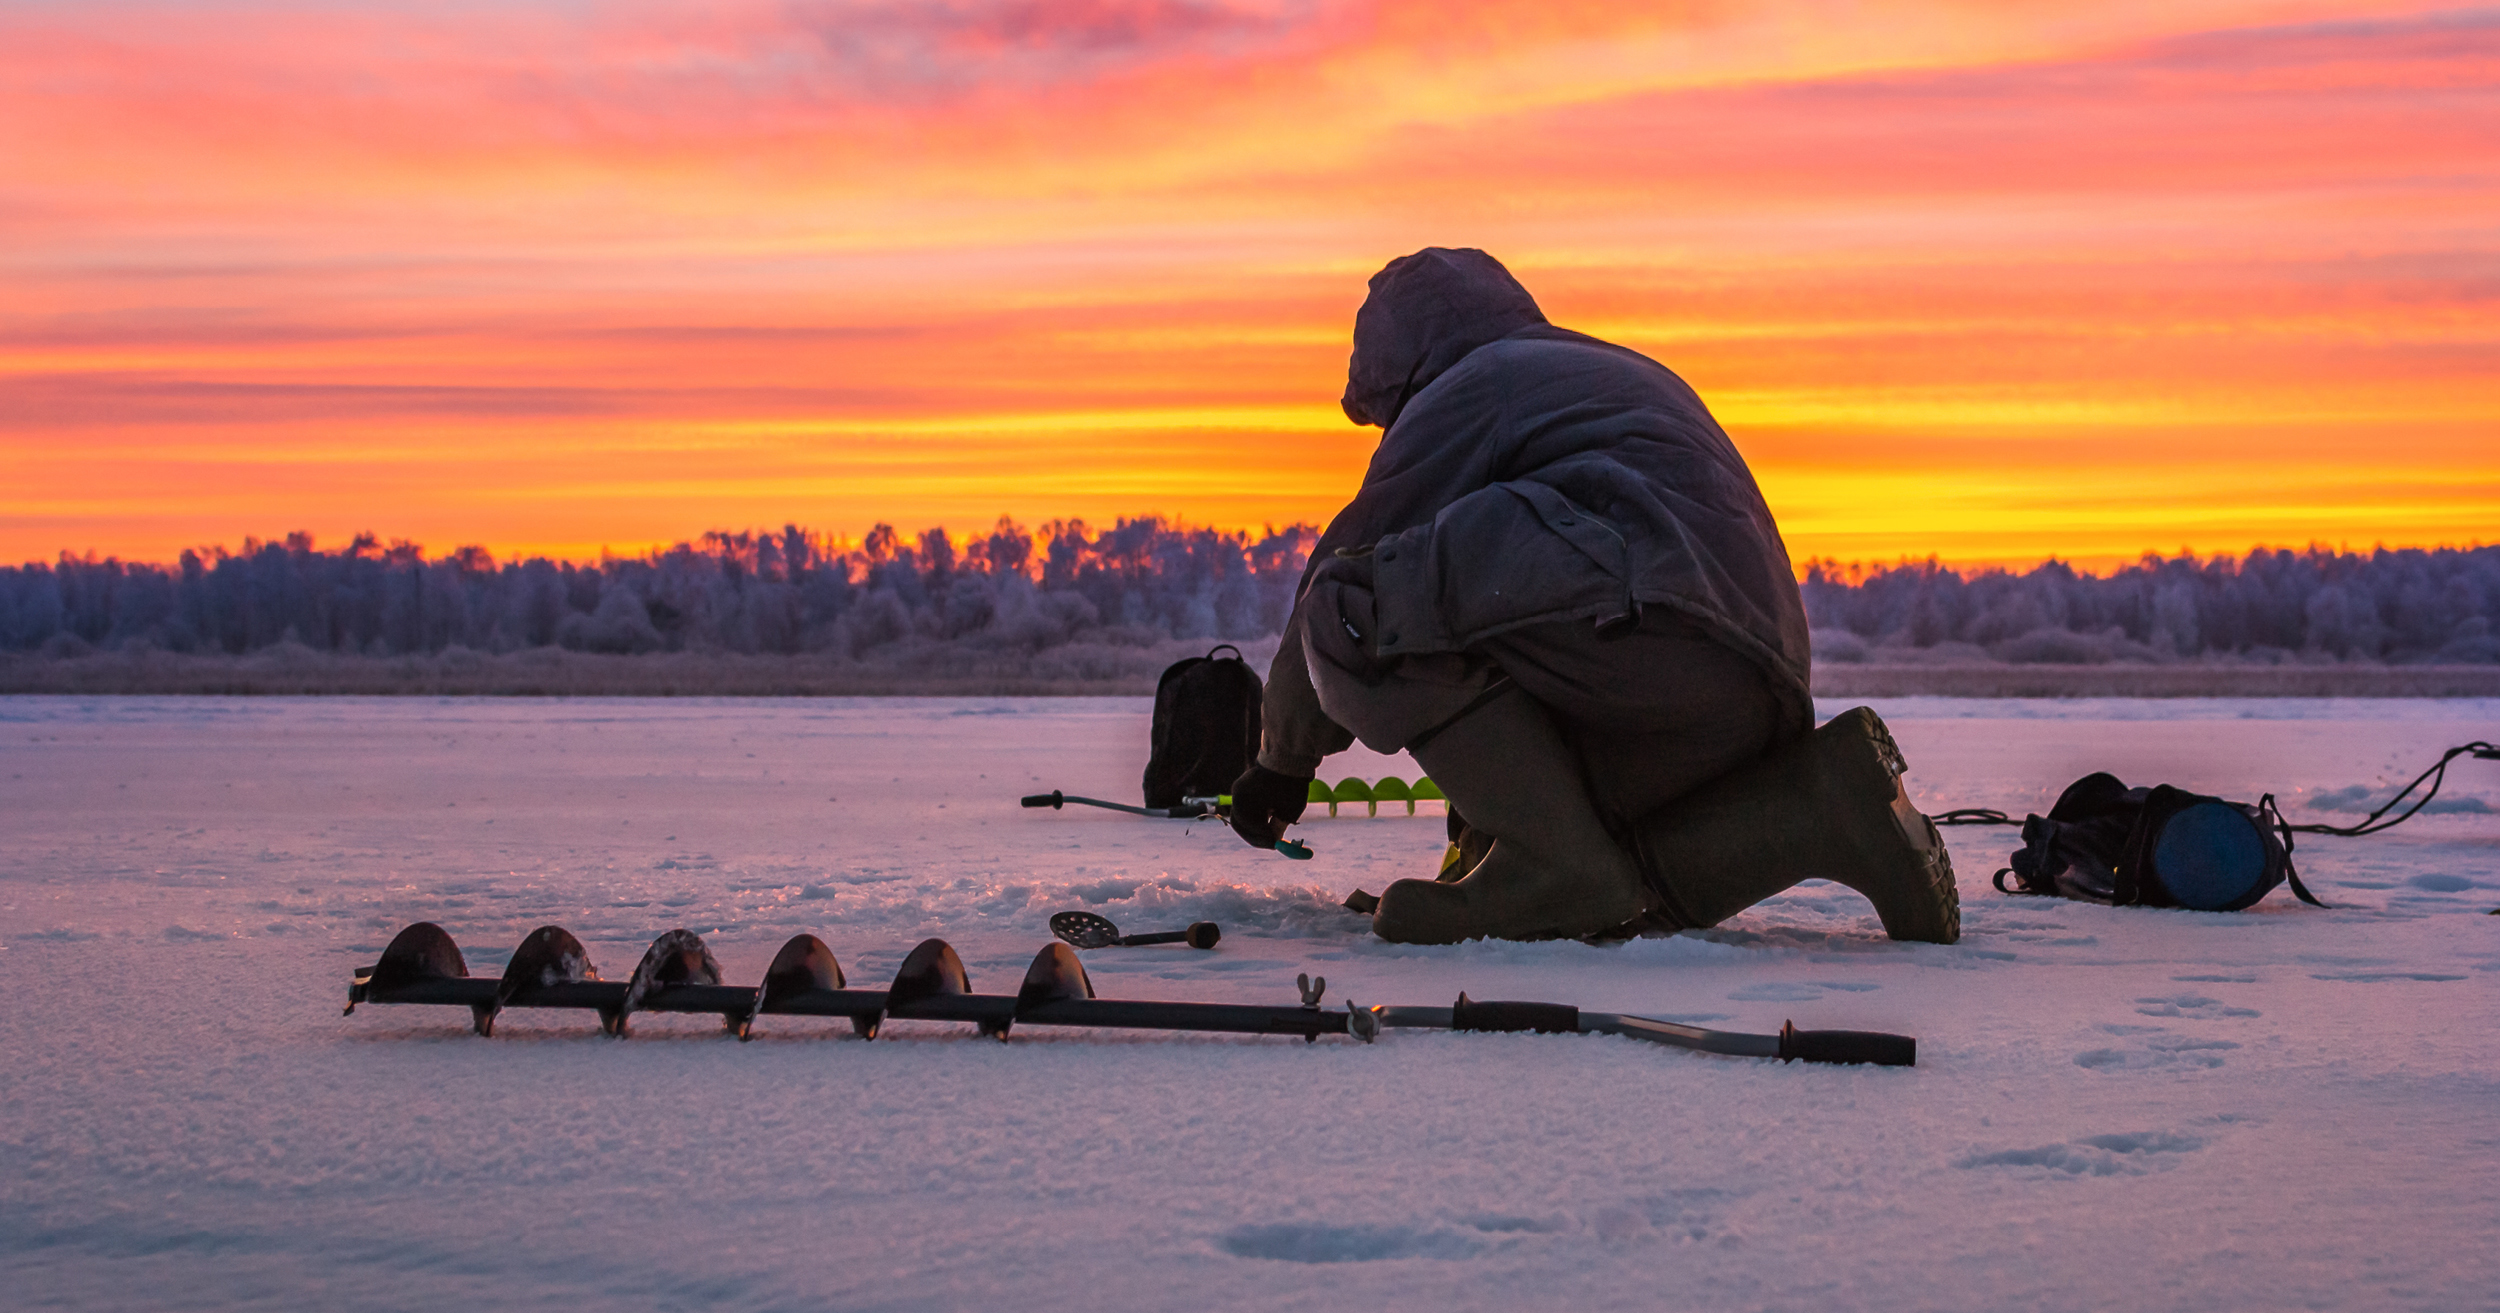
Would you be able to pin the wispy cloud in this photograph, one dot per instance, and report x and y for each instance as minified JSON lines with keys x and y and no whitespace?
{"x":876,"y":247}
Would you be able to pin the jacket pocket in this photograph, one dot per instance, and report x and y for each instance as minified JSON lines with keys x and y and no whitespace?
{"x":1592,"y":535}
{"x":1406,"y":594}
{"x":1500,"y":557}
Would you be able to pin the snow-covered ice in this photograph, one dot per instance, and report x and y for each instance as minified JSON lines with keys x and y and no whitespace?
{"x":2286,"y":1108}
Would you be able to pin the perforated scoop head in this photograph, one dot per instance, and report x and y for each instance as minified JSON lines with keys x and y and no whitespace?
{"x":1084,"y":929}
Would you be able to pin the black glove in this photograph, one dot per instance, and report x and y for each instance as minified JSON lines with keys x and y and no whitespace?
{"x":1265,"y":802}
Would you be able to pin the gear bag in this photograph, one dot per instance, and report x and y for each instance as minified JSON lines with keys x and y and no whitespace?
{"x":1206,"y":727}
{"x":2154,"y":847}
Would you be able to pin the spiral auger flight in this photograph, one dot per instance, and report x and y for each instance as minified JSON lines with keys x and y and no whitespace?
{"x":678,"y":973}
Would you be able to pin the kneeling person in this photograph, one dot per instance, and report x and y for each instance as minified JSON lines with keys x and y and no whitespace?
{"x":1560,"y":590}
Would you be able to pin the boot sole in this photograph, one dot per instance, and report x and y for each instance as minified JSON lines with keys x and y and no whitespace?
{"x":1923,"y":902}
{"x":1441,"y":912}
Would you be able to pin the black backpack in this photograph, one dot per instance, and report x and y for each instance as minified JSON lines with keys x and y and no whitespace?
{"x":2159,"y":847}
{"x":1206,"y":727}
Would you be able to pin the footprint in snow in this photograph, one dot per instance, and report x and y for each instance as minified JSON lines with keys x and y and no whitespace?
{"x":1316,"y":1242}
{"x":1807,"y":991}
{"x":1776,"y":992}
{"x":2195,"y":1006}
{"x":2158,"y":1052}
{"x":2131,"y":1153}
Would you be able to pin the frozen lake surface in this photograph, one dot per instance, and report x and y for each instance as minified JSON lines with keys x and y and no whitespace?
{"x":2283,"y":1108}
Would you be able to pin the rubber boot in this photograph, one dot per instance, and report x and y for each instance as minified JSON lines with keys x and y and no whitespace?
{"x":1829,"y":806}
{"x":1552,"y":870}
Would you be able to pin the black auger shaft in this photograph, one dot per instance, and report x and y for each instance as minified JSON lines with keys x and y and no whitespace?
{"x":550,"y":970}
{"x":999,"y":1010}
{"x":678,"y":974}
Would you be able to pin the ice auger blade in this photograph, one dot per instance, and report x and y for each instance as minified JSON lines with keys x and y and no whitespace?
{"x":423,"y":951}
{"x":421,"y":954}
{"x":1055,"y":976}
{"x":804,"y":965}
{"x":678,"y":957}
{"x":549,"y":959}
{"x":931,"y":986}
{"x":930,"y":970}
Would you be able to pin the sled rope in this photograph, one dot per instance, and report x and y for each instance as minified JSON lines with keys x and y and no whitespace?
{"x":2437,"y":775}
{"x":2370,"y":824}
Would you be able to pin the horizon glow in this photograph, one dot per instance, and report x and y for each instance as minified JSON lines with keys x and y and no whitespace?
{"x":1961,"y":278}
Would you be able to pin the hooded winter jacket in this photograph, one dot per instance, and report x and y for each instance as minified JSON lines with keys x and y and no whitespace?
{"x":1532,"y":474}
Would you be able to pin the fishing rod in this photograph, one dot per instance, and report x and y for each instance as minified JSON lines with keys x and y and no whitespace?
{"x":1190,"y":809}
{"x":678,"y":974}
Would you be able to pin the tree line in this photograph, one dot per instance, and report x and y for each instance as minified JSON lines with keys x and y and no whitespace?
{"x":1138,"y":582}
{"x":1148,"y":580}
{"x":2404,"y":605}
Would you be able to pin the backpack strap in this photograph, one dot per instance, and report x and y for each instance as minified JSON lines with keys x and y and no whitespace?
{"x":2034,"y":866}
{"x":1226,"y":647}
{"x":2270,"y":815}
{"x":2137,"y":883}
{"x":1971,"y":816}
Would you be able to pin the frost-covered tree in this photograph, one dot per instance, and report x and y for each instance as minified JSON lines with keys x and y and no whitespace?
{"x":1145,"y":580}
{"x":2400,"y":605}
{"x":793,"y":591}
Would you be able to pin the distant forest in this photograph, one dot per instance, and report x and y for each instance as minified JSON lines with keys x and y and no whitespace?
{"x":1136,"y":584}
{"x":2400,"y":606}
{"x":1147,"y":581}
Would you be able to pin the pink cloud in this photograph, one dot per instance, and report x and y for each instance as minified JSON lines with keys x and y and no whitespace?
{"x":2359,"y":107}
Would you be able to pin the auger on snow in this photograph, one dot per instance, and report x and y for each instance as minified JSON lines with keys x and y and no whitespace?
{"x":679,"y":974}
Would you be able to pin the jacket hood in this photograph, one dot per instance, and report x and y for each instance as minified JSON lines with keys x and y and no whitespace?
{"x":1426,"y":311}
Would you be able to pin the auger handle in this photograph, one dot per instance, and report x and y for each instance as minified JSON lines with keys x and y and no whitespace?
{"x":1200,"y":934}
{"x":1494,"y":1014}
{"x":1055,"y":799}
{"x":1846,"y":1046}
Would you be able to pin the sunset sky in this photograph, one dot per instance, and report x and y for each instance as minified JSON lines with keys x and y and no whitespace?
{"x":1993,"y":281}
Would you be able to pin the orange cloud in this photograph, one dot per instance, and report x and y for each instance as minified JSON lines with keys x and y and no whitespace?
{"x":1959,"y":277}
